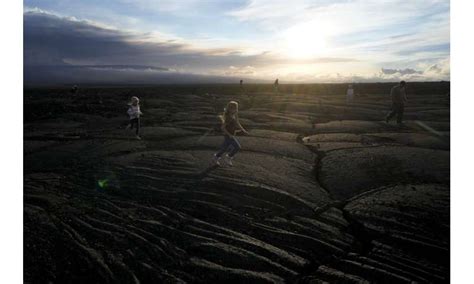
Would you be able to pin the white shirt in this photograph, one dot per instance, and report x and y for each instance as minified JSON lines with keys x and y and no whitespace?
{"x":134,"y":111}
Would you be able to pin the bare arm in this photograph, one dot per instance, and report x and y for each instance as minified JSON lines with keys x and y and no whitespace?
{"x":240,"y":126}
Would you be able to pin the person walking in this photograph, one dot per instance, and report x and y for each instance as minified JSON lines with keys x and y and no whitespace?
{"x":399,"y":98}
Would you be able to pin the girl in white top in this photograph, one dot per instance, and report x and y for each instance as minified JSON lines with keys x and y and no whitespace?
{"x":134,"y":113}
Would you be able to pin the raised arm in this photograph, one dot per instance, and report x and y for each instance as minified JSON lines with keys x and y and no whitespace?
{"x":240,"y":125}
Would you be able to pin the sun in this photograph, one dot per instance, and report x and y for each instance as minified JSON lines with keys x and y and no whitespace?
{"x":304,"y":41}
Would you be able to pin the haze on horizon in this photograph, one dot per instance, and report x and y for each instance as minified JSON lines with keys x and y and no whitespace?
{"x":144,"y":41}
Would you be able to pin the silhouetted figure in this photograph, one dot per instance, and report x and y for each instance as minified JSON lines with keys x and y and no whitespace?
{"x":241,"y":83}
{"x":275,"y":86}
{"x":399,"y":98}
{"x":214,"y":103}
{"x":74,"y":89}
{"x":349,"y":94}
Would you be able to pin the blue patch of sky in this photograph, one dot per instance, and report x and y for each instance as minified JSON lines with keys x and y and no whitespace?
{"x":435,"y":48}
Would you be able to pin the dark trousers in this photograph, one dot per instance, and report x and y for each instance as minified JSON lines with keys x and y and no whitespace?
{"x":230,"y":143}
{"x":397,"y":109}
{"x":135,"y":122}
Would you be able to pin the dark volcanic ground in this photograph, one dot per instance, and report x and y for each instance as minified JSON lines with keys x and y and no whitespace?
{"x":319,"y":193}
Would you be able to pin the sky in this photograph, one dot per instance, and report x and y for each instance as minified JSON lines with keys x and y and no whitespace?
{"x":295,"y":41}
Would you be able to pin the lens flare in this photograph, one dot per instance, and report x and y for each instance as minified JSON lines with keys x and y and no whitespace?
{"x":103,"y":183}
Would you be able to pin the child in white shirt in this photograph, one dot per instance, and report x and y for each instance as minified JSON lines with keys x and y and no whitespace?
{"x":134,"y":113}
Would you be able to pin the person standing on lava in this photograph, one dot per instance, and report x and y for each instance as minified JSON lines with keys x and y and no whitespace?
{"x":399,"y":98}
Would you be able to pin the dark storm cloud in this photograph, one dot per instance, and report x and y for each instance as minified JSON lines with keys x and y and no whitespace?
{"x":50,"y":39}
{"x":124,"y":67}
{"x":63,"y":50}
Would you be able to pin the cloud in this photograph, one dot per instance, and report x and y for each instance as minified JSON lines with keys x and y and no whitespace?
{"x":349,"y":16}
{"x":406,"y":71}
{"x":241,"y":71}
{"x":431,"y":48}
{"x":434,"y":72}
{"x":373,"y":30}
{"x":52,"y":40}
{"x":124,"y":67}
{"x":440,"y":70}
{"x":363,"y":38}
{"x":181,"y":7}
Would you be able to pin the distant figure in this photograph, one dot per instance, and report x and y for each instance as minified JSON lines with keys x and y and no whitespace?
{"x":275,"y":86}
{"x":349,"y":94}
{"x":230,"y":127}
{"x":134,"y":113}
{"x":214,"y":103}
{"x":399,"y":98}
{"x":74,"y":89}
{"x":241,"y":86}
{"x":241,"y":83}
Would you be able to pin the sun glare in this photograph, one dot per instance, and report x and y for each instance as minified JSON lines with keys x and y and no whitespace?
{"x":304,"y":41}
